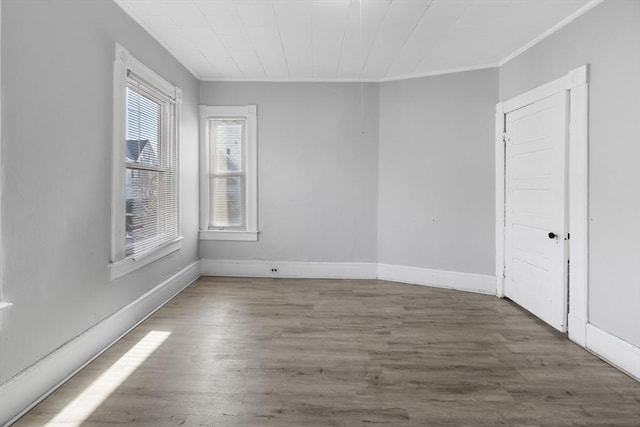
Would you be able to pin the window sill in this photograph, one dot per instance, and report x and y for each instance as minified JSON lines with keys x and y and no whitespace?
{"x":241,"y":236}
{"x":131,"y":263}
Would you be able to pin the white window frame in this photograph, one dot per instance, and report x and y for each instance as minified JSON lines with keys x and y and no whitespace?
{"x":249,"y":113}
{"x":121,"y":264}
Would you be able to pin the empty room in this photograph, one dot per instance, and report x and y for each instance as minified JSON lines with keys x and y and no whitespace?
{"x":319,"y":212}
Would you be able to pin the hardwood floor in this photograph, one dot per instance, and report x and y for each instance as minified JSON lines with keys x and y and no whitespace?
{"x":286,"y":352}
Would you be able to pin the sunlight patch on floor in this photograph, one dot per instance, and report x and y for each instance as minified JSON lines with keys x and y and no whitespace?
{"x":78,"y":410}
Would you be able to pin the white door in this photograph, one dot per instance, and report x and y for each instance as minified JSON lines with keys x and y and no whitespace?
{"x":536,"y":255}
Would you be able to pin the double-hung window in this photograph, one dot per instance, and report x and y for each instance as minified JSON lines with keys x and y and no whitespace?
{"x":229,"y":173}
{"x":145,"y":215}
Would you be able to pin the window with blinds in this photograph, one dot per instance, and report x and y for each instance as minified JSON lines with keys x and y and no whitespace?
{"x":229,"y":173}
{"x":227,"y":179}
{"x":151,"y":212}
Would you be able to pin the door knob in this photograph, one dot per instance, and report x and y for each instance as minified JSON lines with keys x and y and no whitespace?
{"x":552,"y":235}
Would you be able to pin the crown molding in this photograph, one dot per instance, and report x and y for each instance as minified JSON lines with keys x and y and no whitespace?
{"x":289,"y":80}
{"x":566,"y":21}
{"x":437,"y":72}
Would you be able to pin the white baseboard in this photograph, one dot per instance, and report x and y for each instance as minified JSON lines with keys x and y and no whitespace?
{"x":619,"y":353}
{"x":289,"y":269}
{"x":478,"y":283}
{"x":26,"y":389}
{"x":352,"y":270}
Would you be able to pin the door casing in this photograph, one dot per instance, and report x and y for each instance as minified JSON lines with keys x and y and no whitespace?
{"x":576,"y":83}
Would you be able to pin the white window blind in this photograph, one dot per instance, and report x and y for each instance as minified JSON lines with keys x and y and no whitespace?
{"x":151,"y":217}
{"x":227,"y":178}
{"x":229,"y":173}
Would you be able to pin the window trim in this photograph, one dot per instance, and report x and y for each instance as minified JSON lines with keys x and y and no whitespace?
{"x":249,"y":113}
{"x":133,"y":262}
{"x":121,"y":264}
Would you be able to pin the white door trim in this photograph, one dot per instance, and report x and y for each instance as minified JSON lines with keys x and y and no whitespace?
{"x":576,"y":82}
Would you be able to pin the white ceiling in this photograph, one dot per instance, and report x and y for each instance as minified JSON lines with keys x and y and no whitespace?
{"x":345,"y":40}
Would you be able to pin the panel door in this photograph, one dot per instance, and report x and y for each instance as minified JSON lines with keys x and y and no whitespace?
{"x":536,"y":252}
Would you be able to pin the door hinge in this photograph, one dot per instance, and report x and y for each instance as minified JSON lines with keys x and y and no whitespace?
{"x":504,"y":272}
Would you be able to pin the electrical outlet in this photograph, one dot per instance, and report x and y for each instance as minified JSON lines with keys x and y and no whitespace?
{"x":274,"y":270}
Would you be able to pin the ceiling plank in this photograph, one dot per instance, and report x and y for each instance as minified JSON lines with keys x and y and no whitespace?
{"x":437,"y":22}
{"x":260,"y":23}
{"x":184,"y":13}
{"x":329,"y":20}
{"x":397,"y":26}
{"x":359,"y":38}
{"x":330,"y":40}
{"x":294,"y":23}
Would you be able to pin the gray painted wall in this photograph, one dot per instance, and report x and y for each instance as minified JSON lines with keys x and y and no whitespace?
{"x":436,"y":172}
{"x":57,"y":79}
{"x":607,"y":38}
{"x":317,"y":172}
{"x":416,"y":188}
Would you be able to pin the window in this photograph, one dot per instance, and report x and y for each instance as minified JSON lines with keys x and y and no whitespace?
{"x":145,"y":216}
{"x":228,"y":184}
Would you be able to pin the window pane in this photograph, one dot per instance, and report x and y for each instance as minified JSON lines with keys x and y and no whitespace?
{"x":144,"y":213}
{"x":227,"y":147}
{"x":228,"y":202}
{"x":143,"y":128}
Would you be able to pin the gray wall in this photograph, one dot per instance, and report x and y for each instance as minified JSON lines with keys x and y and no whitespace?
{"x":436,"y":172}
{"x":57,"y":79}
{"x":607,"y":38}
{"x":416,"y":188}
{"x":317,"y":172}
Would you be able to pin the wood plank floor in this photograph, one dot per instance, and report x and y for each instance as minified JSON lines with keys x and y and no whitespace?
{"x":286,"y":352}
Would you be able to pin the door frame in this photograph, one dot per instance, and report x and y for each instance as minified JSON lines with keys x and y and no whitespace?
{"x":576,"y":83}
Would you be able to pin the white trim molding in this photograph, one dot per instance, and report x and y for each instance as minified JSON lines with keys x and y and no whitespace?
{"x":500,"y":197}
{"x":436,"y":73}
{"x":250,"y":114}
{"x":433,"y":73}
{"x":617,"y":352}
{"x":566,"y":21}
{"x":238,"y":236}
{"x":126,"y":61}
{"x":29,"y":387}
{"x":578,"y":186}
{"x":576,"y":83}
{"x":129,"y":264}
{"x":574,"y":78}
{"x":120,"y":262}
{"x":469,"y":282}
{"x":289,"y":269}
